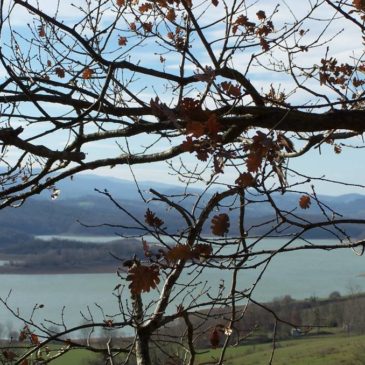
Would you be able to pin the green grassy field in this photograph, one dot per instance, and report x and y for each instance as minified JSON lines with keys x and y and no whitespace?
{"x":333,"y":350}
{"x":316,"y":350}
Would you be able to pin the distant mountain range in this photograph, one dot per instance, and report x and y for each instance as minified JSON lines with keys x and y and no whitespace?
{"x":78,"y":201}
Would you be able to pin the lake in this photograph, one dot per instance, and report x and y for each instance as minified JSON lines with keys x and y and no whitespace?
{"x":299,"y":274}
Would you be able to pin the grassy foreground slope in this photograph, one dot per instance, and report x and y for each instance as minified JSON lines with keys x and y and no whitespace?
{"x":334,"y":350}
{"x":318,"y":350}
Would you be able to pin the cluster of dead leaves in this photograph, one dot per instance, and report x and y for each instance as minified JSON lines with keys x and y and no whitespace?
{"x":266,"y":147}
{"x":243,"y":21}
{"x":144,"y":277}
{"x":230,"y":89}
{"x":261,"y":30}
{"x":332,"y":73}
{"x":26,"y":333}
{"x":190,"y":108}
{"x":202,"y":129}
{"x":275,"y":96}
{"x":262,"y":147}
{"x":179,"y":252}
{"x":210,"y":127}
{"x":178,"y":38}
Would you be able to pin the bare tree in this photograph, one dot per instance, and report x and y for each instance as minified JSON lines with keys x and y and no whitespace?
{"x":174,"y":81}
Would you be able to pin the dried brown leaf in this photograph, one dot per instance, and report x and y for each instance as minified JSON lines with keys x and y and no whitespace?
{"x":143,"y":278}
{"x":305,"y":202}
{"x":261,"y":15}
{"x":60,"y":72}
{"x":220,"y":224}
{"x":179,"y":252}
{"x":170,"y":15}
{"x":245,"y":179}
{"x":87,"y":73}
{"x":122,"y":41}
{"x":152,"y":220}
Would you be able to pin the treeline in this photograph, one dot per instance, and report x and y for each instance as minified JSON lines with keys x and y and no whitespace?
{"x":307,"y":317}
{"x":26,"y":254}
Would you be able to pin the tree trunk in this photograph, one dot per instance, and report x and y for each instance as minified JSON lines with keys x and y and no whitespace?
{"x":142,"y":336}
{"x":142,"y":349}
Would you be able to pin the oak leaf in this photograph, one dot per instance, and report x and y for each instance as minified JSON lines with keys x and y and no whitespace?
{"x":359,"y":4}
{"x":196,"y":129}
{"x":188,"y":145}
{"x":214,"y":338}
{"x":41,"y":31}
{"x":230,"y":89}
{"x":191,"y":109}
{"x":261,"y":15}
{"x":253,"y":162}
{"x":120,"y":2}
{"x":143,"y":278}
{"x":147,"y":27}
{"x":22,"y":336}
{"x":152,"y":220}
{"x":87,"y":73}
{"x":245,"y":179}
{"x":337,"y":148}
{"x":161,"y":110}
{"x":213,"y":127}
{"x":202,"y":251}
{"x":220,"y":224}
{"x":122,"y":41}
{"x":285,"y":142}
{"x":215,"y":2}
{"x":60,"y":72}
{"x":188,"y":3}
{"x":202,"y":154}
{"x":34,"y":339}
{"x":305,"y":202}
{"x":242,"y":20}
{"x":145,"y":7}
{"x":170,"y":15}
{"x":108,"y":322}
{"x":189,"y":104}
{"x":264,"y":44}
{"x":179,"y":252}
